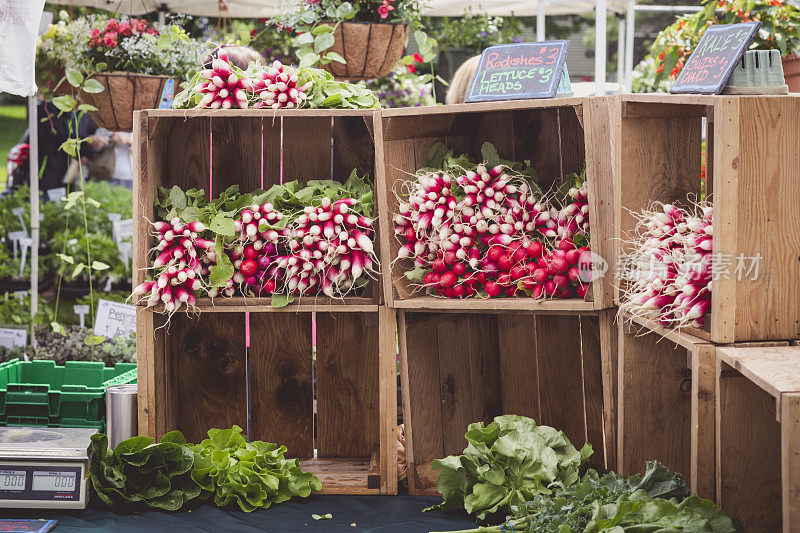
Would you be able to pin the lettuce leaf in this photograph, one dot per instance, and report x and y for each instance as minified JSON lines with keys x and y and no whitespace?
{"x":252,"y":475}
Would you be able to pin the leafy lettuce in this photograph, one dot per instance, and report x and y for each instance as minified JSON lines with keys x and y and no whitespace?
{"x":140,"y":474}
{"x":254,"y":475}
{"x":507,"y":463}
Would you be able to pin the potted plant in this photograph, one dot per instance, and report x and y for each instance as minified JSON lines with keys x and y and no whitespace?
{"x":62,"y":46}
{"x":780,"y":29}
{"x":129,"y":60}
{"x":354,"y":40}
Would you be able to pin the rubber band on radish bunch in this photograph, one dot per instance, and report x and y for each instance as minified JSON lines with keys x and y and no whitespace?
{"x":669,"y":272}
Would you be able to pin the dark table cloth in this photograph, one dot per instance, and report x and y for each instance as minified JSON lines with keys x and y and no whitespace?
{"x":385,"y":514}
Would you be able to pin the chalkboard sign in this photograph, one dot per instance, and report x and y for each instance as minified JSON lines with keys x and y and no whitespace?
{"x":519,"y":71}
{"x":712,"y":61}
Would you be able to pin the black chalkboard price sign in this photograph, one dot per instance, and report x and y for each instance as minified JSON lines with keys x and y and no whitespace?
{"x":519,"y":71}
{"x":712,"y":61}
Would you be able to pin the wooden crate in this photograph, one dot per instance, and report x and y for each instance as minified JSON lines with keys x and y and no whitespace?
{"x":758,"y":436}
{"x":458,"y":368}
{"x":753,"y":172}
{"x":559,"y":136}
{"x":338,"y":416}
{"x":666,"y":401}
{"x":254,"y":149}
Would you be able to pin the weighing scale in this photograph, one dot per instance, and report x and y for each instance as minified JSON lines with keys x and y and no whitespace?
{"x":44,"y":468}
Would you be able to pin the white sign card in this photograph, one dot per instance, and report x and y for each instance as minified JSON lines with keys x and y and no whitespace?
{"x":13,"y":337}
{"x":81,"y":311}
{"x":19,"y":27}
{"x":123,"y":235}
{"x":54,"y":195}
{"x":114,"y":319}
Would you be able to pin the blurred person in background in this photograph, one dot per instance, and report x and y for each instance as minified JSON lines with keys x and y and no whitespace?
{"x":462,"y":79}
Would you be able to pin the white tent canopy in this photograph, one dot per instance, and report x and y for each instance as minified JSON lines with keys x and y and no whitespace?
{"x":267,"y":8}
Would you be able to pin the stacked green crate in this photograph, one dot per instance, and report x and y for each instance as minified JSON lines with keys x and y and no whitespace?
{"x":41,"y":393}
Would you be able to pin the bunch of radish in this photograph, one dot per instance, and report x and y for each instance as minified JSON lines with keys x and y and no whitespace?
{"x":574,"y":216}
{"x":489,"y":231}
{"x":256,"y":248}
{"x":669,"y":273}
{"x":278,"y":86}
{"x":224,"y":87}
{"x":330,"y":250}
{"x":177,"y":268}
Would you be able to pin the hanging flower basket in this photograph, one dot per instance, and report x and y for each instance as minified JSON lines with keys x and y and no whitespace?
{"x":125,"y":92}
{"x":370,"y":50}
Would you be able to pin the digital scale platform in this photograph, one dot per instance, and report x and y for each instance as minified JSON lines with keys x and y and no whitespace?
{"x":44,"y":468}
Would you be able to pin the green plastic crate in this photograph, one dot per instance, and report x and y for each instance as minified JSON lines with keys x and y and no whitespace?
{"x":41,"y":393}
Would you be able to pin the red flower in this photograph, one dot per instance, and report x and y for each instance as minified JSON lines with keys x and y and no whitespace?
{"x":418,"y":58}
{"x":110,"y":39}
{"x":262,"y":20}
{"x":383,"y":11}
{"x":253,"y":32}
{"x":411,"y":68}
{"x":95,"y":33}
{"x":141,"y":24}
{"x":112,"y":25}
{"x":125,"y":27}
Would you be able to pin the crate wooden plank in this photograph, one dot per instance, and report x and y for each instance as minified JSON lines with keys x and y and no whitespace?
{"x":748,"y":453}
{"x":484,"y":366}
{"x":790,"y":460}
{"x":455,"y":382}
{"x":422,"y":408}
{"x":207,"y":373}
{"x":775,"y":369}
{"x":769,"y":168}
{"x":353,"y":146}
{"x":187,"y":153}
{"x":498,"y":129}
{"x":519,"y":379}
{"x":281,"y":382}
{"x":702,"y":479}
{"x":654,"y":401}
{"x":265,"y":113}
{"x":492,"y":305}
{"x":240,"y":304}
{"x":592,"y":366}
{"x":387,"y":383}
{"x":341,"y":475}
{"x":609,"y":361}
{"x":236,"y":154}
{"x":558,"y":352}
{"x":347,"y":379}
{"x":154,"y":416}
{"x":306,"y":148}
{"x":536,"y":137}
{"x":510,"y":105}
{"x":599,"y":175}
{"x":571,"y":137}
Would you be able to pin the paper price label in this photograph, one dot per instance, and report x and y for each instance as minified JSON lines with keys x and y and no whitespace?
{"x":12,"y":337}
{"x":114,"y":319}
{"x":54,"y":195}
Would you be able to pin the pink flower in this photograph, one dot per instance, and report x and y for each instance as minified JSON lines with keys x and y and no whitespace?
{"x":95,"y":33}
{"x":110,"y":39}
{"x":314,"y":2}
{"x":124,"y":27}
{"x":383,"y":11}
{"x":112,"y":25}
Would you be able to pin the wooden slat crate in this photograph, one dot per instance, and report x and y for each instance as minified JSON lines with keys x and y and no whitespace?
{"x":666,"y":401}
{"x":338,"y":415}
{"x":559,"y":136}
{"x":753,"y":171}
{"x":214,"y":150}
{"x":459,"y":368}
{"x":758,"y":436}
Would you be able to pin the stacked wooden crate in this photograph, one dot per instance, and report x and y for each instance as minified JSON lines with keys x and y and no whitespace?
{"x":468,"y":360}
{"x":753,"y":178}
{"x":338,"y":414}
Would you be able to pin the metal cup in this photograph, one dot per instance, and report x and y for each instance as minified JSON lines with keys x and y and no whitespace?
{"x":121,"y":413}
